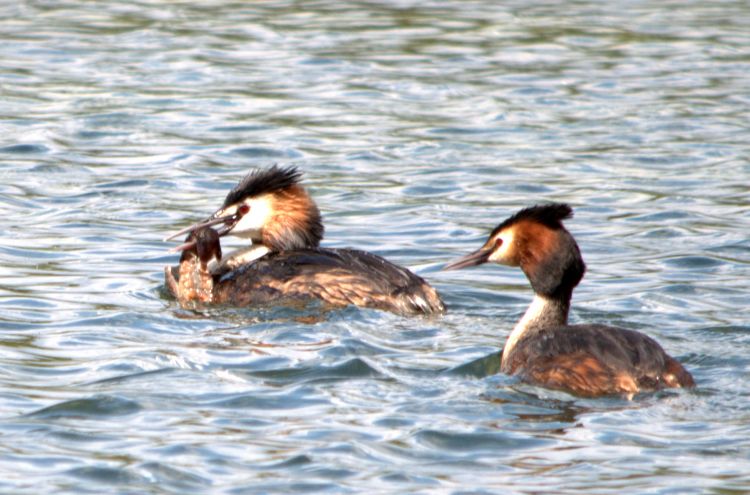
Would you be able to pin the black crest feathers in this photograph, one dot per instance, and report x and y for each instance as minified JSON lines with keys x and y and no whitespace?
{"x":550,"y":215}
{"x":263,"y":181}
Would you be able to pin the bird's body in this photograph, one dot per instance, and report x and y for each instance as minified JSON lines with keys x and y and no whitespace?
{"x":587,"y":360}
{"x":285,"y":262}
{"x":337,"y":277}
{"x":593,"y":360}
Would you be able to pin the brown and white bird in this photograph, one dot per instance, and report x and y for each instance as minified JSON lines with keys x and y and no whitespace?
{"x":587,"y":360}
{"x":285,"y":262}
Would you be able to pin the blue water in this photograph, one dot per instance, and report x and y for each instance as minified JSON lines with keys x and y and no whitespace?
{"x":420,"y":126}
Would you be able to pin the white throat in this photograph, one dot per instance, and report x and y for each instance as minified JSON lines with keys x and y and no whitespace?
{"x":240,"y":257}
{"x":541,"y":313}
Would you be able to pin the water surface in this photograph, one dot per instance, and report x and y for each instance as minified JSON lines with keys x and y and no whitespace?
{"x":420,"y":126}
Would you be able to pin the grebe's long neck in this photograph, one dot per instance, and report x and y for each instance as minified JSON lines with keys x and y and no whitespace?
{"x":554,"y":266}
{"x":238,"y":258}
{"x":543,"y":312}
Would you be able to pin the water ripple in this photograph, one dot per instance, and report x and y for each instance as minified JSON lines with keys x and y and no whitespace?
{"x":94,"y":407}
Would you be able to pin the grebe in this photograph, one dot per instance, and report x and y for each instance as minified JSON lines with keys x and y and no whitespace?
{"x":542,"y":349}
{"x":285,"y":263}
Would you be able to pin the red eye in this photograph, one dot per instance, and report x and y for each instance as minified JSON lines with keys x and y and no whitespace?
{"x":498,"y":242}
{"x":242,"y":210}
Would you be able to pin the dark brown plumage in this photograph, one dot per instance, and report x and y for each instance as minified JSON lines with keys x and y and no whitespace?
{"x":593,"y":360}
{"x":338,"y":277}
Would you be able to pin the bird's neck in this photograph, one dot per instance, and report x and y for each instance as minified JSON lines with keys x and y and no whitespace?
{"x":239,"y":257}
{"x":543,"y":312}
{"x":295,"y":222}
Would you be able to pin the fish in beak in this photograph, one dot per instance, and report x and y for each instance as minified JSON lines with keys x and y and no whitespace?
{"x":228,"y":221}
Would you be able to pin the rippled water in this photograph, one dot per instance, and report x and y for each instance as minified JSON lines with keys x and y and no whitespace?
{"x":420,"y":126}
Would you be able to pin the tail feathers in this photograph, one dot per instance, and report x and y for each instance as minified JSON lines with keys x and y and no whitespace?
{"x":426,"y":300}
{"x":675,"y":375}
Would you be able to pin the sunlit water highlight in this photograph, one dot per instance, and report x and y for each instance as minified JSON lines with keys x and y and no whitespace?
{"x":420,"y":126}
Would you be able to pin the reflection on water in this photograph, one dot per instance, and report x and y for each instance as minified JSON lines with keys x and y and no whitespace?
{"x":420,"y":126}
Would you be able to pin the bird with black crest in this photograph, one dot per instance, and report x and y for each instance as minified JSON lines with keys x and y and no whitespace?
{"x":543,"y":349}
{"x":284,"y":261}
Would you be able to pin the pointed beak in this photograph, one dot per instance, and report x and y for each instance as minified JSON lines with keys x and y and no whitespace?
{"x":478,"y":257}
{"x":201,"y":225}
{"x":228,"y":220}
